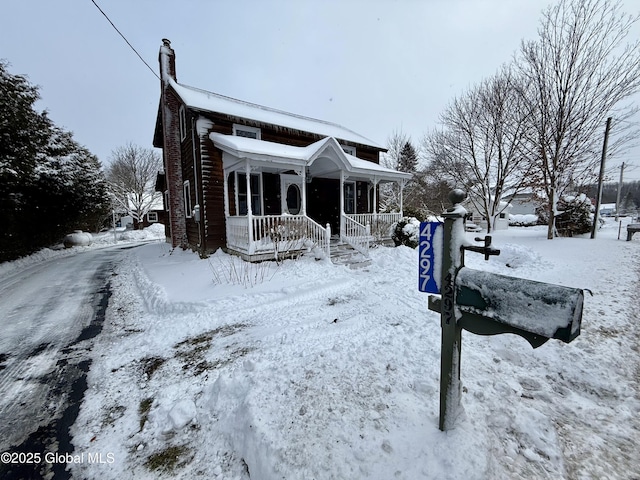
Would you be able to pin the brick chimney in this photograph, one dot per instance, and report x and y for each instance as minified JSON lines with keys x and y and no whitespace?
{"x":171,"y":153}
{"x":167,"y":60}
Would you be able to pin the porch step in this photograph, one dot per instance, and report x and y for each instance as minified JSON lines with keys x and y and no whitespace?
{"x":344,"y":254}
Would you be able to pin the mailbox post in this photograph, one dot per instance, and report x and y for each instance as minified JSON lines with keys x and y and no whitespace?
{"x":451,"y":332}
{"x":488,"y":304}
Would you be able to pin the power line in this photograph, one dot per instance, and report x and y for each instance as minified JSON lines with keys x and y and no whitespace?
{"x":125,"y":39}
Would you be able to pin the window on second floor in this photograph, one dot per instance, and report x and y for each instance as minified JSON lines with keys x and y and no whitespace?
{"x":245,"y":131}
{"x":349,"y":150}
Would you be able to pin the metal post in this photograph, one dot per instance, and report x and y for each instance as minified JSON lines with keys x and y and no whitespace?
{"x":619,"y":190}
{"x":450,"y":388}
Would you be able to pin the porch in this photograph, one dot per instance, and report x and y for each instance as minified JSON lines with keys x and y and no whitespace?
{"x":281,"y":200}
{"x":266,"y":237}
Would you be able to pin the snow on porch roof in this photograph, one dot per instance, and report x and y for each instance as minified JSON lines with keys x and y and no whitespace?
{"x":243,"y":147}
{"x":214,"y":102}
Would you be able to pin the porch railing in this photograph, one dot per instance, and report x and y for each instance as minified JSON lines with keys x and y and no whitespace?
{"x":380,"y":223}
{"x":238,"y":233}
{"x":276,"y":233}
{"x":355,"y":234}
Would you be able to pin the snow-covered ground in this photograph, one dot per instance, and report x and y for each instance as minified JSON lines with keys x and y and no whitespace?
{"x":220,"y":369}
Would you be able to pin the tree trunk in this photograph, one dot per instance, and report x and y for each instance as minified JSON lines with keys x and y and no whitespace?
{"x":552,"y":221}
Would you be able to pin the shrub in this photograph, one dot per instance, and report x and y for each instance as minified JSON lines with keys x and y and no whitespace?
{"x":406,"y":232}
{"x":575,"y":215}
{"x":522,"y":220}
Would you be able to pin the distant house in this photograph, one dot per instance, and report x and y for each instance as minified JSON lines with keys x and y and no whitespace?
{"x":252,"y":180}
{"x":524,"y":203}
{"x":155,"y":214}
{"x":476,"y":217}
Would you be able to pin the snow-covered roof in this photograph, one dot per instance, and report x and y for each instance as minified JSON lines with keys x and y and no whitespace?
{"x":214,"y":102}
{"x":261,"y":150}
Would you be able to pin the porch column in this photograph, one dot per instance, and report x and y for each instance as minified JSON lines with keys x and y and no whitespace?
{"x":401,"y":190}
{"x":375,"y":196}
{"x":249,"y":213}
{"x":225,"y":185}
{"x":375,"y":207}
{"x":341,"y":202}
{"x":303,"y":200}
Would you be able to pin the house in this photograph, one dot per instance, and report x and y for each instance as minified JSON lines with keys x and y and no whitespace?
{"x":524,"y":203}
{"x":257,"y":181}
{"x":155,"y":213}
{"x":476,"y":215}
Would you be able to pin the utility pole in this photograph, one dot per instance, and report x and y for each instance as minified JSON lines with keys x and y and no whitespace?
{"x":619,"y":190}
{"x":600,"y":178}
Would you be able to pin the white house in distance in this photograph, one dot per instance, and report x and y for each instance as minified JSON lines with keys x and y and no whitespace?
{"x":476,"y":216}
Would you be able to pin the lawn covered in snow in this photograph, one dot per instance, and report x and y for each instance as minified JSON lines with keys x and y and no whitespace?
{"x":221,"y":369}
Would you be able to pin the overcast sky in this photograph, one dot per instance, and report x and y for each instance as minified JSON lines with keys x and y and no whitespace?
{"x":371,"y":66}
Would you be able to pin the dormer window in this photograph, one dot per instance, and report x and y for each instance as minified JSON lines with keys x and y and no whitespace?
{"x":349,"y":150}
{"x":245,"y":131}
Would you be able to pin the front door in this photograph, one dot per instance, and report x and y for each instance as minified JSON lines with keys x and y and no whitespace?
{"x":291,"y":193}
{"x":323,"y":202}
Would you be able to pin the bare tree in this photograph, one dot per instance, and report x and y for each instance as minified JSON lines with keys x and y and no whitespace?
{"x":480,"y":146}
{"x":576,"y":74}
{"x":131,"y":176}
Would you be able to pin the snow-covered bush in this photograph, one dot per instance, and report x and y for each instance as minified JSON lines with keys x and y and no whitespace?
{"x":406,"y":232}
{"x":574,"y":215}
{"x":521,"y":220}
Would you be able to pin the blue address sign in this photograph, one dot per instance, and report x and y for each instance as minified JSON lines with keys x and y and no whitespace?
{"x":429,"y":257}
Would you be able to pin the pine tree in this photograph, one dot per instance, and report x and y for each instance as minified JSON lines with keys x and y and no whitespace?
{"x":408,"y":160}
{"x":49,"y":184}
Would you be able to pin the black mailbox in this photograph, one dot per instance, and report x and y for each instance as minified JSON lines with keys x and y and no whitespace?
{"x":492,"y":303}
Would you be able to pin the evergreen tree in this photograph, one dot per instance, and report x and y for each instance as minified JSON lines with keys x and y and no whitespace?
{"x":408,"y":159}
{"x":49,"y":184}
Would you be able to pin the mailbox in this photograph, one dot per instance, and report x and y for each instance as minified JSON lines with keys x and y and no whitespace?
{"x":489,"y":304}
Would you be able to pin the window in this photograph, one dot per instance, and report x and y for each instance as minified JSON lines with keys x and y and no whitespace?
{"x":152,"y":217}
{"x":183,"y":123}
{"x":349,"y":150}
{"x":186,"y":189}
{"x":245,"y":131}
{"x":256,"y":197}
{"x":349,"y":197}
{"x":166,"y":200}
{"x":503,"y":215}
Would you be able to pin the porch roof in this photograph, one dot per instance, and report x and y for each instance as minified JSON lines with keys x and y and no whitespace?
{"x":261,"y":151}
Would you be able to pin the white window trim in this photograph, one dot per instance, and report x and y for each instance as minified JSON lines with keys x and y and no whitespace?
{"x":236,"y":189}
{"x":256,"y":130}
{"x":286,"y":180}
{"x":355,"y":200}
{"x":149,"y":217}
{"x":183,"y":123}
{"x":186,"y":190}
{"x":349,"y":149}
